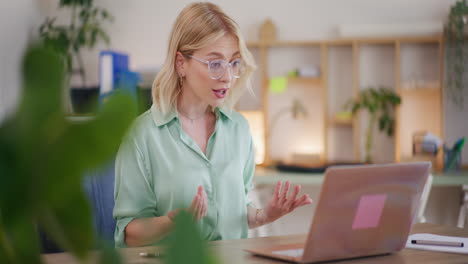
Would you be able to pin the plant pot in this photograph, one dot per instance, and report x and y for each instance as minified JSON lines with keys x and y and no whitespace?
{"x":84,"y":100}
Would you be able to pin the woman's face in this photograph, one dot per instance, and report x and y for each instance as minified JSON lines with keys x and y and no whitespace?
{"x":197,"y":77}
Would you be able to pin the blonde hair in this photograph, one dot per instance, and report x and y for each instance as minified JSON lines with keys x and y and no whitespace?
{"x":198,"y":25}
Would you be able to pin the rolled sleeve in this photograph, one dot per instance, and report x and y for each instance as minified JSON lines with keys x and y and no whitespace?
{"x":134,"y":195}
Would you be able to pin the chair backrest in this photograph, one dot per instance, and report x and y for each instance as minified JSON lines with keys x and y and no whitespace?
{"x":420,"y":218}
{"x":99,"y":186}
{"x":99,"y":189}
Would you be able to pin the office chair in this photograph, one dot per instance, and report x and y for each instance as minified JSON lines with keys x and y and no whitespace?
{"x":99,"y":189}
{"x":420,"y":218}
{"x":463,"y":208}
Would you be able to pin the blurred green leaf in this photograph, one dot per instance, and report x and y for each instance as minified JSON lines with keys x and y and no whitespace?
{"x":63,"y":225}
{"x":22,"y":242}
{"x":43,"y":156}
{"x":109,"y":255}
{"x":186,"y":238}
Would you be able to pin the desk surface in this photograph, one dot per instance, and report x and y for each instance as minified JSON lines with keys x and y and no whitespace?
{"x":269,"y":176}
{"x":231,"y":251}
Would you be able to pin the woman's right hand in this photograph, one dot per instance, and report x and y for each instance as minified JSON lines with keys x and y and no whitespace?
{"x":198,"y":208}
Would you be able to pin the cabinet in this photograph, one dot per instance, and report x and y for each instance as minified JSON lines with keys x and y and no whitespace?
{"x":412,"y":66}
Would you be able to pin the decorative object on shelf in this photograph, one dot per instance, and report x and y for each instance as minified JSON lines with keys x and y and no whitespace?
{"x":309,"y":71}
{"x":278,"y":85}
{"x":426,"y":143}
{"x":297,"y":110}
{"x":83,"y":31}
{"x":268,"y":31}
{"x":456,"y":51}
{"x":115,"y":76}
{"x":452,"y":156}
{"x":380,"y":103}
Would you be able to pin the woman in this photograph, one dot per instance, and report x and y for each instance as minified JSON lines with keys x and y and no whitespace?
{"x":191,"y":150}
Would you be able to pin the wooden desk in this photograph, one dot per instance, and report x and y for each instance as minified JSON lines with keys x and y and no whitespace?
{"x":231,"y":251}
{"x":269,"y":176}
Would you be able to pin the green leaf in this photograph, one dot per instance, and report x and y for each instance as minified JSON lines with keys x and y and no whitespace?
{"x":186,"y":238}
{"x":21,"y":240}
{"x":456,"y":52}
{"x":381,"y":101}
{"x":70,"y":39}
{"x":69,"y":222}
{"x":47,"y":156}
{"x":109,"y":255}
{"x":104,"y":36}
{"x":356,"y":107}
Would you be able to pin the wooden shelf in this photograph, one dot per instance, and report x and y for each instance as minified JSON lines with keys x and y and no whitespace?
{"x":421,"y":107}
{"x":421,"y":91}
{"x":290,"y":43}
{"x":305,"y":80}
{"x":340,"y":122}
{"x":390,"y":40}
{"x":348,"y":41}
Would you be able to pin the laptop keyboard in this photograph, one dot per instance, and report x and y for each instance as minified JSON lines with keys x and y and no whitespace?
{"x":290,"y":252}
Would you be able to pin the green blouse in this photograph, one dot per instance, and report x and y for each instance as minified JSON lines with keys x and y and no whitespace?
{"x":159,"y":167}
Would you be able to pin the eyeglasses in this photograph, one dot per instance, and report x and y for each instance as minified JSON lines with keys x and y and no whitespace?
{"x":217,"y":68}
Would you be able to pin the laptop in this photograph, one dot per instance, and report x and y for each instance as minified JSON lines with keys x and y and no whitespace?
{"x":362,"y":211}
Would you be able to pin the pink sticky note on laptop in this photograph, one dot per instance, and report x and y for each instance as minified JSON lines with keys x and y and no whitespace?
{"x":369,"y":211}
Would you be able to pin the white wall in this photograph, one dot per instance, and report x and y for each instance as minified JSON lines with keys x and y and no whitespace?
{"x":142,"y":27}
{"x":18,"y":20}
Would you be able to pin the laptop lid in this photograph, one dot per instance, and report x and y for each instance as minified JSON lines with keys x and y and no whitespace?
{"x":365,"y":210}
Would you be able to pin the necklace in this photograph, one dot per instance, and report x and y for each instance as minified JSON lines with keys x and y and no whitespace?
{"x":191,"y":119}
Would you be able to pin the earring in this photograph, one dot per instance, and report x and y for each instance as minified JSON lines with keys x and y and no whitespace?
{"x":181,"y":80}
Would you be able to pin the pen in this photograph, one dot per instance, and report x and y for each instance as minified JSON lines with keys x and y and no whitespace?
{"x":150,"y":254}
{"x":437,"y":243}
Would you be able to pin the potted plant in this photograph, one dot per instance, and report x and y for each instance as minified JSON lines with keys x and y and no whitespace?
{"x":456,"y":53}
{"x":84,"y":30}
{"x":380,"y":103}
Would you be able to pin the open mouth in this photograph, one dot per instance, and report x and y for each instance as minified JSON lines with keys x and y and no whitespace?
{"x":220,"y":93}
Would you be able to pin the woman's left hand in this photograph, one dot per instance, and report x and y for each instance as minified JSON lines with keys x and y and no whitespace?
{"x":281,"y":204}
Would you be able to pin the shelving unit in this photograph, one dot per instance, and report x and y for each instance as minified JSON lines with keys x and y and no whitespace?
{"x":419,"y":83}
{"x":346,"y":67}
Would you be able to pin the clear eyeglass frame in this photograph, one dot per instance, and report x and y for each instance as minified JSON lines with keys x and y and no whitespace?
{"x":217,"y":74}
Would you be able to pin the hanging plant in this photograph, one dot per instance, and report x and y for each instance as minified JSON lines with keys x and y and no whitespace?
{"x":456,"y":52}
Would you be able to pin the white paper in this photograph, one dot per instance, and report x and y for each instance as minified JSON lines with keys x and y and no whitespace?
{"x":432,"y":237}
{"x":106,"y":74}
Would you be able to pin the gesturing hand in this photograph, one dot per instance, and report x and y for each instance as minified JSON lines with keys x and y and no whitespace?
{"x":281,"y":204}
{"x":198,"y":208}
